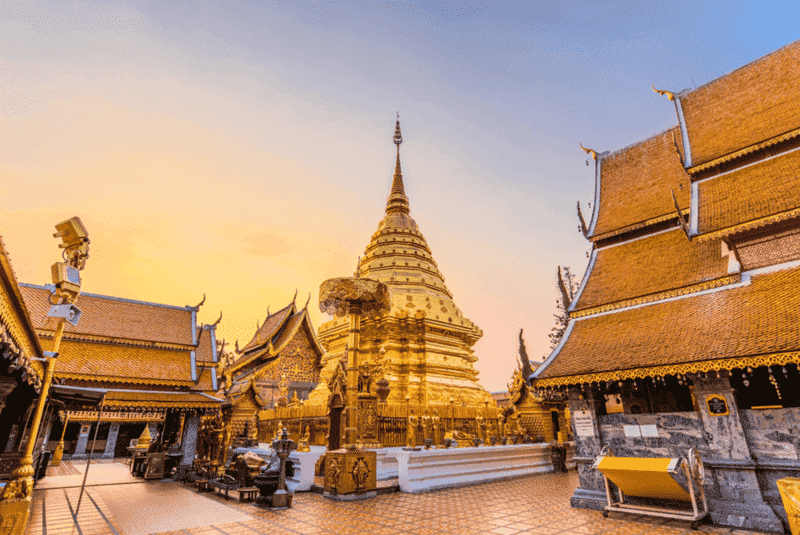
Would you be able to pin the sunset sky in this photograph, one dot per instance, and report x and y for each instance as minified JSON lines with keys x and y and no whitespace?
{"x":243,"y":149}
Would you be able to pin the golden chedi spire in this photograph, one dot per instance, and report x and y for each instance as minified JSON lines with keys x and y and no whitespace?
{"x":397,"y":201}
{"x":428,"y":367}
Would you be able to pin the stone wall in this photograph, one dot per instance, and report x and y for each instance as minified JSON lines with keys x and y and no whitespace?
{"x":772,"y":433}
{"x":677,"y":432}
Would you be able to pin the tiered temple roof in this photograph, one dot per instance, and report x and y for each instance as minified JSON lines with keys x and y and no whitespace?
{"x":707,"y":281}
{"x":126,"y":344}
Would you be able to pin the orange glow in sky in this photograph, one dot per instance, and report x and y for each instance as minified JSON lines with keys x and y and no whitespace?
{"x":243,"y":151}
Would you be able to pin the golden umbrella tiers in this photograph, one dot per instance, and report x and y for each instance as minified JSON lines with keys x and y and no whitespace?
{"x":337,"y":296}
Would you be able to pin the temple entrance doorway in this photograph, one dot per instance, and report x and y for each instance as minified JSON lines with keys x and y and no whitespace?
{"x":556,"y":426}
{"x":335,"y":409}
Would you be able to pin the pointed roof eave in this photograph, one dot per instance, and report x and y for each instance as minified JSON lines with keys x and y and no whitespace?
{"x":313,"y":336}
{"x":287,"y":311}
{"x":289,"y":335}
{"x":549,"y":360}
{"x":251,"y":386}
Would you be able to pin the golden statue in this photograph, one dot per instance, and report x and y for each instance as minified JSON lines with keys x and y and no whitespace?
{"x":481,"y":427}
{"x":411,"y":430}
{"x":302,"y":446}
{"x":435,"y":423}
{"x":519,"y":430}
{"x":426,"y":425}
{"x":508,"y":428}
{"x":278,"y":431}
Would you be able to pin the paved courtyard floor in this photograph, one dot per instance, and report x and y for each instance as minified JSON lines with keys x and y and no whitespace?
{"x":530,"y":505}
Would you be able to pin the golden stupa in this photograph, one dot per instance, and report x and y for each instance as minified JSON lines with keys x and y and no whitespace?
{"x":423,"y":346}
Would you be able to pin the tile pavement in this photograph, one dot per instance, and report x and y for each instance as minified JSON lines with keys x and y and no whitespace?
{"x":530,"y":505}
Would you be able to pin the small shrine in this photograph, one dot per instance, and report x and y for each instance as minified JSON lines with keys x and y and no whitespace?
{"x":544,"y":416}
{"x":284,"y":347}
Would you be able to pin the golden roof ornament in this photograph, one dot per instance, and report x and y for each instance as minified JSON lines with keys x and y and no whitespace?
{"x":398,"y":136}
{"x":669,"y":94}
{"x":589,"y":151}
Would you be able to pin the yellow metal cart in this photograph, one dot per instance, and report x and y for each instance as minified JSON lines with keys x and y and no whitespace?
{"x":655,"y":478}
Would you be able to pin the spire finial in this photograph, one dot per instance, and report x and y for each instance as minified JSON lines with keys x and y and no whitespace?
{"x":397,"y":196}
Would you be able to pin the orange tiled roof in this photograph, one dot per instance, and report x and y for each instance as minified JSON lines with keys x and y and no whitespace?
{"x":635,"y":182}
{"x":204,"y":381}
{"x":205,"y":352}
{"x":267,"y":330}
{"x":119,"y":363}
{"x":751,"y":104}
{"x":755,"y":319}
{"x":159,"y":400}
{"x":16,"y":326}
{"x":115,"y":317}
{"x":649,"y":265}
{"x":763,"y":189}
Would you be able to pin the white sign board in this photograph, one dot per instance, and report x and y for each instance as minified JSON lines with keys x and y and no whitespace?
{"x":632,"y":431}
{"x":649,"y":430}
{"x":584,"y":423}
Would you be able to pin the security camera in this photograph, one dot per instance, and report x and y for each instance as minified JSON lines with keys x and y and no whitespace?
{"x":69,"y":312}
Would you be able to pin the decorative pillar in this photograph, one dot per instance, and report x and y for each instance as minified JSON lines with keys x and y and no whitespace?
{"x":111,"y":443}
{"x":191,"y":429}
{"x":350,"y":474}
{"x":590,"y":493}
{"x":735,"y":497}
{"x":353,"y":296}
{"x":353,"y":340}
{"x":83,"y":440}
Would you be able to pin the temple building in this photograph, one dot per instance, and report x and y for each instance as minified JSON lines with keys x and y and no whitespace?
{"x":683,"y":332}
{"x":542,"y":415}
{"x":423,"y":346}
{"x":280,"y":365}
{"x":21,"y":377}
{"x":156,"y":365}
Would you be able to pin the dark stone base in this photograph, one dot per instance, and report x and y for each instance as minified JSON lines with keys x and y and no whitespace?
{"x":183,"y":472}
{"x":745,"y":515}
{"x":589,"y":499}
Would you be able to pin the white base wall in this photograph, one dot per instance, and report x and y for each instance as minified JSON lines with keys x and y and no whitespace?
{"x":387,"y":467}
{"x":304,"y":463}
{"x":426,"y":470}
